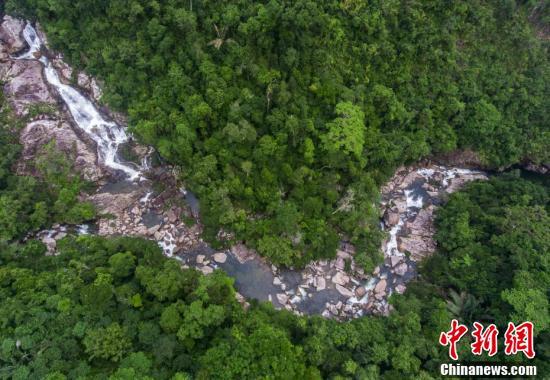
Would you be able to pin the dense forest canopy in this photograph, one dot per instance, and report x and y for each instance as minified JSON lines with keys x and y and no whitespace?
{"x":117,"y":308}
{"x":286,"y":116}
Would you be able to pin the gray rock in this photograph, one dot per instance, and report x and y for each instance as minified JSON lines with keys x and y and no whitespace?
{"x":339,"y":263}
{"x":151,"y":231}
{"x":25,"y":86}
{"x":320,"y":283}
{"x":401,"y":269}
{"x":172,"y":217}
{"x":200,"y":259}
{"x":220,"y":257}
{"x":282,"y":298}
{"x":380,"y":288}
{"x":344,"y":255}
{"x":360,"y":292}
{"x":391,"y":217}
{"x":50,"y":243}
{"x":344,"y":291}
{"x":394,"y":260}
{"x":207,"y":270}
{"x":242,"y":253}
{"x":10,"y":34}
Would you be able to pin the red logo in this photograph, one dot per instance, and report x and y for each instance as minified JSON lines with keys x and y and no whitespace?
{"x":516,"y":339}
{"x":452,"y":337}
{"x":519,"y":339}
{"x":484,"y":340}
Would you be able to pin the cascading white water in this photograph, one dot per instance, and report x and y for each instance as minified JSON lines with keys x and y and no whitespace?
{"x":107,"y":134}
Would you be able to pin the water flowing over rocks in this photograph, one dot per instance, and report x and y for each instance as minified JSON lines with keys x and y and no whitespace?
{"x":26,"y":88}
{"x":409,"y":201}
{"x":128,"y":204}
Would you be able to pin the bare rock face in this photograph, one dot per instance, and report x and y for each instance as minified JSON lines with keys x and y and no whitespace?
{"x":421,"y":225}
{"x":115,"y":204}
{"x":38,"y":133}
{"x":242,"y":253}
{"x":10,"y":34}
{"x":25,"y":86}
{"x":419,"y":241}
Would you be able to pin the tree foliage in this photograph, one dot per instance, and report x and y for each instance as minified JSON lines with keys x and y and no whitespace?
{"x":269,"y":103}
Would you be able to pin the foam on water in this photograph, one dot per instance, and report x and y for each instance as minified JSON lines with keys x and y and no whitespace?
{"x":168,"y":244}
{"x":83,"y":229}
{"x":413,"y":200}
{"x":391,"y":247}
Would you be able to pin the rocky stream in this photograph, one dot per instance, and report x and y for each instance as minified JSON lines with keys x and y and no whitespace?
{"x":130,"y":202}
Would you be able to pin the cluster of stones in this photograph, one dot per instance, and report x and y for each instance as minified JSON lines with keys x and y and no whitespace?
{"x":207,"y":264}
{"x":51,"y":236}
{"x":357,"y":293}
{"x":125,"y":213}
{"x":326,"y":275}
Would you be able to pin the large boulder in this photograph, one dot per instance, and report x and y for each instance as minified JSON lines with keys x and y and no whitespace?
{"x":242,"y":253}
{"x":10,"y":34}
{"x":391,"y":217}
{"x":344,"y":291}
{"x":419,"y":247}
{"x":380,"y":289}
{"x":422,"y":224}
{"x":220,"y":257}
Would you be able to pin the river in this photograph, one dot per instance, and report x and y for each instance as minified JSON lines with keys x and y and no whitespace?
{"x":337,"y":288}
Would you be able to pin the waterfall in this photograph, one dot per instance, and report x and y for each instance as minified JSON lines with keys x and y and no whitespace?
{"x":107,"y":134}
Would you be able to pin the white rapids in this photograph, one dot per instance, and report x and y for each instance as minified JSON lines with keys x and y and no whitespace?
{"x":107,"y":134}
